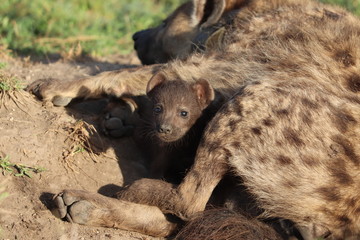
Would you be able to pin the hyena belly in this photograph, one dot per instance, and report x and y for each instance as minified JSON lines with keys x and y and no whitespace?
{"x":296,"y":151}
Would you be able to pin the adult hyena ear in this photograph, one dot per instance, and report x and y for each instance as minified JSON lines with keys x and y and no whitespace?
{"x":156,"y":80}
{"x":207,"y":12}
{"x":204,"y":92}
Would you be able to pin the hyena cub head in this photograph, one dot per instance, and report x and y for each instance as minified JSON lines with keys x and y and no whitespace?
{"x":184,"y":30}
{"x":177,"y":105}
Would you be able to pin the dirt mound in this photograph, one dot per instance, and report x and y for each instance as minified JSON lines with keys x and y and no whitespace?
{"x":44,"y":149}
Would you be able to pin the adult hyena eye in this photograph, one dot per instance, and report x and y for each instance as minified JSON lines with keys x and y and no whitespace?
{"x":184,"y":114}
{"x":157,"y":109}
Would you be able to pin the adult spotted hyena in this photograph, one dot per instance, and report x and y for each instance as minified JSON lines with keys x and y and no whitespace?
{"x":290,"y":71}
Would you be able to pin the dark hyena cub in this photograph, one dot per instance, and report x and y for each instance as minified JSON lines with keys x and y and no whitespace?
{"x":179,"y":115}
{"x":167,"y":124}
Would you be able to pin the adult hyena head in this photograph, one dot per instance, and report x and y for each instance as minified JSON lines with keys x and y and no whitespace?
{"x":177,"y":105}
{"x":187,"y":28}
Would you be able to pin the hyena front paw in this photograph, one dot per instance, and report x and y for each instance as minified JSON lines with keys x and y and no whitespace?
{"x":120,"y":118}
{"x":73,"y":206}
{"x":116,"y":127}
{"x":49,"y":89}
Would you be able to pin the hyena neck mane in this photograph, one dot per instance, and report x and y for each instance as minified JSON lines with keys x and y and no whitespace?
{"x":181,"y":109}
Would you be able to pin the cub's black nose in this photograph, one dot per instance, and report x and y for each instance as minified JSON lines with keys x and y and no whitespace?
{"x":164,"y":129}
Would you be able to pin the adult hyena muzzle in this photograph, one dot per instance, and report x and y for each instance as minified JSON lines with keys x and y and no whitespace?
{"x":148,"y":49}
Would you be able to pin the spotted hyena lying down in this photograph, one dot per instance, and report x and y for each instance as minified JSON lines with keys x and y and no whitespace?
{"x":290,"y":73}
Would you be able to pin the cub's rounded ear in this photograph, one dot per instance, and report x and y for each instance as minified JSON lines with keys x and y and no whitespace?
{"x":204,"y":92}
{"x":207,"y":12}
{"x":156,"y":80}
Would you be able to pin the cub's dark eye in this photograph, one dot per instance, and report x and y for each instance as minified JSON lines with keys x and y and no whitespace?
{"x":157,"y":109}
{"x":184,"y":113}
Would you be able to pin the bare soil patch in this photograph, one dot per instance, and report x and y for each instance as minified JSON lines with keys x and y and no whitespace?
{"x":58,"y":140}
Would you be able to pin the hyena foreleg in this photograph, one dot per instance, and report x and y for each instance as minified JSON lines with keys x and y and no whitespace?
{"x":193,"y":193}
{"x":115,"y":83}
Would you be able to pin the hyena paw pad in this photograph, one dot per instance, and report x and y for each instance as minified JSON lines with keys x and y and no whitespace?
{"x":72,"y":208}
{"x":116,"y":127}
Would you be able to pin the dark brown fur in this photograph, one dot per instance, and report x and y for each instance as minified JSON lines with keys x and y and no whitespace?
{"x":180,"y":114}
{"x":180,"y":34}
{"x":265,"y":59}
{"x":222,"y":224}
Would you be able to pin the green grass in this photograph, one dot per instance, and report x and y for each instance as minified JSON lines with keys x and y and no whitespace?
{"x":3,"y":65}
{"x":351,"y":5}
{"x":18,"y":170}
{"x":5,"y":165}
{"x":3,"y":195}
{"x":9,"y":83}
{"x":101,"y":27}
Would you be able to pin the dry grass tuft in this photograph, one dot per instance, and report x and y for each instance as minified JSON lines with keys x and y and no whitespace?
{"x":75,"y":53}
{"x":79,"y":140}
{"x":5,"y":53}
{"x":11,"y":90}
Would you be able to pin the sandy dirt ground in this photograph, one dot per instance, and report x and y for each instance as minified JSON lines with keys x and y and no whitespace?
{"x":53,"y":138}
